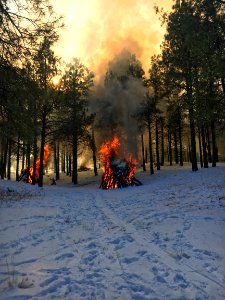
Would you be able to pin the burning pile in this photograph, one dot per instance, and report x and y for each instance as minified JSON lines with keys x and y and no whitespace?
{"x":26,"y":174}
{"x":117,"y":172}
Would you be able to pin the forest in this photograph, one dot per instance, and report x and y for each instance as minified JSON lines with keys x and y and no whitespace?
{"x":173,"y":114}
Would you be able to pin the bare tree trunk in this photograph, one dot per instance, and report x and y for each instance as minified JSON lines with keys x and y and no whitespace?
{"x":200,"y":147}
{"x":205,"y":159}
{"x":43,"y":135}
{"x":143,"y":153}
{"x":28,"y":156}
{"x":214,"y":148}
{"x":170,"y":146}
{"x":157,"y":144}
{"x":17,"y":159}
{"x":35,"y":153}
{"x":176,"y":148}
{"x":192,"y":127}
{"x":150,"y":149}
{"x":181,"y":144}
{"x":94,"y":152}
{"x":23,"y":156}
{"x":9,"y":160}
{"x":74,"y":170}
{"x":70,"y":165}
{"x":208,"y":145}
{"x":162,"y":144}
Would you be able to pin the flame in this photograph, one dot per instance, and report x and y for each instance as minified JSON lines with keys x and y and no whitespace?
{"x":117,"y":172}
{"x":47,"y":153}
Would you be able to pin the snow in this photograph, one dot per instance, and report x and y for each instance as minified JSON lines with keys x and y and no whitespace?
{"x":162,"y":240}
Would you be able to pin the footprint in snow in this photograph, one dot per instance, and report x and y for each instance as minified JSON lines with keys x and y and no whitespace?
{"x":64,"y":256}
{"x":179,"y":279}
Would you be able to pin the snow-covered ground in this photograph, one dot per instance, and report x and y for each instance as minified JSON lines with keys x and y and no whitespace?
{"x":162,"y":240}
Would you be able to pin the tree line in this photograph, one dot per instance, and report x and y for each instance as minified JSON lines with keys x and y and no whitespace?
{"x":182,"y":98}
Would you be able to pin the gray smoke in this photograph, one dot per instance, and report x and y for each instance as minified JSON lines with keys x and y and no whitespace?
{"x":116,"y":102}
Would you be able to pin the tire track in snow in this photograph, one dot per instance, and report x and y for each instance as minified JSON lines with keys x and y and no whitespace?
{"x":191,"y":273}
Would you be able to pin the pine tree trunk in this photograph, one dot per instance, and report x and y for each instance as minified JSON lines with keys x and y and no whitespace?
{"x":176,"y":148}
{"x":150,"y":149}
{"x":223,"y":84}
{"x":43,"y":135}
{"x":94,"y":152}
{"x":70,"y":165}
{"x":63,"y":161}
{"x":157,"y":144}
{"x":170,"y":146}
{"x":9,"y":160}
{"x":57,"y":175}
{"x":193,"y":142}
{"x":205,"y":159}
{"x":35,"y":153}
{"x":146,"y":155}
{"x":67,"y":163}
{"x":214,"y":148}
{"x":200,"y":147}
{"x":162,"y":144}
{"x":23,"y":156}
{"x":143,"y":153}
{"x":74,"y":169}
{"x":28,"y":156}
{"x":181,"y":144}
{"x":192,"y":128}
{"x":17,"y":159}
{"x":4,"y":159}
{"x":208,"y":143}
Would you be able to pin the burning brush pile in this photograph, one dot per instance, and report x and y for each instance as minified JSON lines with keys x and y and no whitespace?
{"x":117,"y":172}
{"x":27,"y":174}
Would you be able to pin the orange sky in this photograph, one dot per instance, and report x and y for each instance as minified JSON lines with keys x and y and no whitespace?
{"x":97,"y":30}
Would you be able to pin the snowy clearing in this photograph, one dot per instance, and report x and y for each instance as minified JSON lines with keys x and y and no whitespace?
{"x":162,"y":240}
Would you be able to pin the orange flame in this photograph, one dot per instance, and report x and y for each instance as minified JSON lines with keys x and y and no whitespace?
{"x":117,"y":172}
{"x":47,"y":153}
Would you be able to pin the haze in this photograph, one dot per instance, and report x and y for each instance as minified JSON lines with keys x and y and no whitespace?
{"x":97,"y":30}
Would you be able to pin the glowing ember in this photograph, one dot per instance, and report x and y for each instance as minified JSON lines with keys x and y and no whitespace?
{"x":117,"y":172}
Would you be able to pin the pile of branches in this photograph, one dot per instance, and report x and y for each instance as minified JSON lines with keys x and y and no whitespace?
{"x":119,"y":174}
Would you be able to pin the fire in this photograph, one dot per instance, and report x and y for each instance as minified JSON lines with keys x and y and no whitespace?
{"x":117,"y":172}
{"x":47,"y":153}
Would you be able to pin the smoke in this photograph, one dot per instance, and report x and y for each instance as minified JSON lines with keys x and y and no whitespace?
{"x":116,"y":102}
{"x":97,"y":30}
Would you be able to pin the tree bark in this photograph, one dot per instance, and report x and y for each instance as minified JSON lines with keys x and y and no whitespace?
{"x":200,"y":146}
{"x":162,"y":144}
{"x":35,"y":153}
{"x":150,"y":149}
{"x":181,"y":144}
{"x":74,"y":169}
{"x":192,"y":125}
{"x":94,"y":157}
{"x":208,"y":145}
{"x":214,"y":148}
{"x":157,"y":144}
{"x":43,"y":135}
{"x":170,"y":146}
{"x":17,"y":159}
{"x":143,"y":153}
{"x":9,"y":160}
{"x":175,"y":147}
{"x":205,"y":159}
{"x":5,"y":157}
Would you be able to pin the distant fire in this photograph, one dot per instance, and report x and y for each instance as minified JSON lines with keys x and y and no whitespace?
{"x":117,"y":172}
{"x":27,"y":174}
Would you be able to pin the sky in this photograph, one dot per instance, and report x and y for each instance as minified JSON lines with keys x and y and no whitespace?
{"x":96,"y":30}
